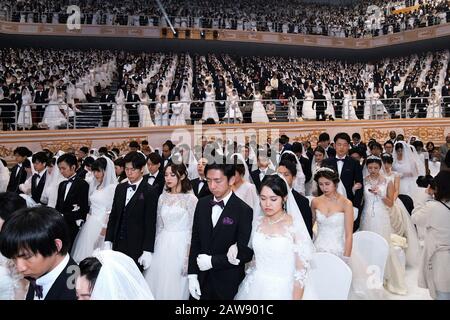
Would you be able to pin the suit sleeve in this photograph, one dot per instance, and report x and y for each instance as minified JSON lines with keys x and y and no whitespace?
{"x":306,"y":166}
{"x":113,"y":217}
{"x":84,"y":201}
{"x":151,"y":206}
{"x":359,"y":193}
{"x":195,"y":243}
{"x":245,"y":254}
{"x":307,"y":215}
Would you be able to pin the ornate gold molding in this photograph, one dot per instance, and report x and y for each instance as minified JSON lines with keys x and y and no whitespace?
{"x":64,"y":145}
{"x":123,"y":146}
{"x":425,"y":133}
{"x":381,"y":135}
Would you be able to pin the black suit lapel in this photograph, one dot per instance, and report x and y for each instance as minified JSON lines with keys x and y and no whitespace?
{"x":226,"y":211}
{"x":60,"y":289}
{"x":134,"y":198}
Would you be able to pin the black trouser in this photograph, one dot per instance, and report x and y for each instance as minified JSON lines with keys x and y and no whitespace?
{"x":106,"y":115}
{"x":320,"y":111}
{"x":133,"y":116}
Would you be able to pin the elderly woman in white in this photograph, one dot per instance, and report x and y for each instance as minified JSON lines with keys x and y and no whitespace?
{"x":434,"y":215}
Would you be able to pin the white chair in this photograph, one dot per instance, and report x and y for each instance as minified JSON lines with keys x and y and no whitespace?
{"x":329,"y":278}
{"x":373,"y":249}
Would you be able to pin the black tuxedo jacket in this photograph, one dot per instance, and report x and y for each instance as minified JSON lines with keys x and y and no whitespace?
{"x":234,"y":226}
{"x":351,"y":174}
{"x":140,"y":213}
{"x":81,"y":172}
{"x":16,"y":180}
{"x":159,"y":182}
{"x":40,"y":97}
{"x":75,"y":206}
{"x":305,"y":209}
{"x":255,"y":177}
{"x":107,"y":98}
{"x":60,"y":290}
{"x":36,"y":190}
{"x":203,"y":192}
{"x":306,"y":167}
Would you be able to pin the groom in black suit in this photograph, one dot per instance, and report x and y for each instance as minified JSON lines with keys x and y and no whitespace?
{"x":220,"y":221}
{"x":73,"y":194}
{"x":350,"y":172}
{"x":38,"y":180}
{"x":132,"y":221}
{"x":199,"y":185}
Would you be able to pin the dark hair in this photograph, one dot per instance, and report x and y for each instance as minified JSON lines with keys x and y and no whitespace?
{"x":327,"y":174}
{"x":154,"y":158}
{"x":40,"y":156}
{"x":23,"y":152}
{"x":119,"y":162}
{"x":324,"y":137}
{"x":10,"y":202}
{"x":90,"y":268}
{"x":398,"y":146}
{"x":26,"y":163}
{"x":387,"y":158}
{"x":68,"y":158}
{"x":425,"y":181}
{"x":144,"y":143}
{"x":239,"y":165}
{"x":35,"y":230}
{"x":116,"y":151}
{"x":447,"y":159}
{"x":418,"y":144}
{"x":276,"y":184}
{"x":84,"y":149}
{"x":103,"y":150}
{"x":373,"y":160}
{"x":291,"y":166}
{"x":289,"y":157}
{"x":134,"y":144}
{"x":388,"y":142}
{"x":342,"y":136}
{"x":356,"y":150}
{"x":442,"y":190}
{"x":356,"y":135}
{"x":400,"y":137}
{"x":227,"y":169}
{"x":51,"y":162}
{"x":169,"y":144}
{"x":297,"y":147}
{"x":376,"y":145}
{"x":319,"y":149}
{"x":99,"y":164}
{"x":179,"y":170}
{"x":137,"y":159}
{"x":88,"y":162}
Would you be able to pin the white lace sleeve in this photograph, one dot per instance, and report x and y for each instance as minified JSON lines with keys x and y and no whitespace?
{"x":159,"y":221}
{"x":303,"y":249}
{"x":191,"y":204}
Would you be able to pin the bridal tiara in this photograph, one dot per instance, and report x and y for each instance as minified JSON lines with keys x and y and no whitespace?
{"x":323,"y":169}
{"x":373,"y":157}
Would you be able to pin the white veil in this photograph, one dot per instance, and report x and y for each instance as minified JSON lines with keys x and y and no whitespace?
{"x":241,"y":158}
{"x":299,"y":183}
{"x":50,"y":193}
{"x":109,"y":176}
{"x":4,"y":177}
{"x":119,"y":278}
{"x":408,"y":158}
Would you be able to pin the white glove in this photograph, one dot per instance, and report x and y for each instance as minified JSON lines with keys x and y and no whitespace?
{"x":145,"y":259}
{"x":204,"y":262}
{"x":79,"y":222}
{"x":107,"y":245}
{"x":346,"y":259}
{"x":232,"y":254}
{"x":194,"y":286}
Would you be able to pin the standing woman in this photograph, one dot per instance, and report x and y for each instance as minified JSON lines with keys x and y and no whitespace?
{"x":167,"y":277}
{"x":435,"y":217}
{"x":101,"y":193}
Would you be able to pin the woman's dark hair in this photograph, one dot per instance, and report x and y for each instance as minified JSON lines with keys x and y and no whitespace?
{"x":398,"y":146}
{"x":102,"y":150}
{"x":297,"y":147}
{"x":88,"y":162}
{"x":180,"y":170}
{"x":48,"y":153}
{"x":154,"y":158}
{"x":90,"y":268}
{"x":387,"y":158}
{"x":40,"y":156}
{"x":239,"y":165}
{"x":10,"y":202}
{"x":442,"y":187}
{"x":418,"y":145}
{"x":324,"y":137}
{"x":137,"y":159}
{"x":430,"y":143}
{"x":68,"y":158}
{"x":23,"y":152}
{"x":227,"y":169}
{"x":289,"y":157}
{"x":327,"y":174}
{"x":343,"y":136}
{"x":276,"y":184}
{"x":34,"y":230}
{"x":292,"y":167}
{"x":99,"y":165}
{"x":373,"y":160}
{"x":26,"y":163}
{"x":319,"y":149}
{"x":375,"y":145}
{"x":425,"y":181}
{"x":51,"y":162}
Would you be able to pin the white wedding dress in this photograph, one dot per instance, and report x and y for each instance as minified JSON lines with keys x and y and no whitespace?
{"x":145,"y":119}
{"x":53,"y":117}
{"x":259,"y":112}
{"x":348,"y":111}
{"x":177,"y":118}
{"x":89,"y":238}
{"x":308,"y":112}
{"x":209,"y":111}
{"x":167,"y":276}
{"x":119,"y":116}
{"x":277,"y":264}
{"x":330,"y":233}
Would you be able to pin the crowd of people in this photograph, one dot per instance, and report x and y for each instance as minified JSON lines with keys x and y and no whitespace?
{"x":222,"y":220}
{"x":51,"y":87}
{"x":368,"y":18}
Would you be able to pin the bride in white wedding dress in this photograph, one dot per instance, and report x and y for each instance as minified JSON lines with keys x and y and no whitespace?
{"x":282,"y":247}
{"x":308,"y":112}
{"x":101,"y":194}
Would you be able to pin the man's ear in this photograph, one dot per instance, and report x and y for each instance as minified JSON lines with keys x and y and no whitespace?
{"x":231,"y":181}
{"x":58,"y":244}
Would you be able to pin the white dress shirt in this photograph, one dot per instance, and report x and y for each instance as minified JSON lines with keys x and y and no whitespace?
{"x":217,"y":210}
{"x":340,"y":165}
{"x":262,"y":174}
{"x":131,"y":192}
{"x":39,"y":176}
{"x":47,"y":280}
{"x":152,"y":178}
{"x":200,"y":185}
{"x":19,"y":166}
{"x":68,"y":185}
